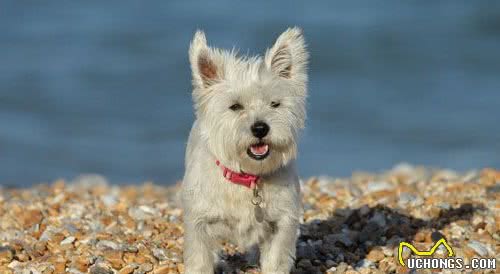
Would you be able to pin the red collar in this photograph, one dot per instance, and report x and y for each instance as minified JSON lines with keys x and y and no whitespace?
{"x":243,"y":179}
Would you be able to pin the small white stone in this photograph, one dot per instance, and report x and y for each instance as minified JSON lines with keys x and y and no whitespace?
{"x":68,"y":240}
{"x":14,"y":264}
{"x":378,"y":186}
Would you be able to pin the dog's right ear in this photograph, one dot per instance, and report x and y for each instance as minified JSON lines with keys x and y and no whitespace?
{"x":203,"y":66}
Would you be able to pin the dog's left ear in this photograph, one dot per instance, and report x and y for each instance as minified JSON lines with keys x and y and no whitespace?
{"x":288,"y":57}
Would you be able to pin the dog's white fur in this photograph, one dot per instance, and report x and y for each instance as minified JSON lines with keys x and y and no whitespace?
{"x":215,"y":209}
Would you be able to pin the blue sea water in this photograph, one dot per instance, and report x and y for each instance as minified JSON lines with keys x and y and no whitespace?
{"x":104,"y":86}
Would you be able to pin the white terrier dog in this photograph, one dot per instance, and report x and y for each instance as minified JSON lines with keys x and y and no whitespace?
{"x":241,"y":184}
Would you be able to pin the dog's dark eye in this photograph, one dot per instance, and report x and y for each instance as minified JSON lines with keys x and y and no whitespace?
{"x":236,"y":107}
{"x":275,"y":104}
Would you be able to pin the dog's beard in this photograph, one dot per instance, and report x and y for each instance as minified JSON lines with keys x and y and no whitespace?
{"x":235,"y":153}
{"x":264,"y":156}
{"x":235,"y":146}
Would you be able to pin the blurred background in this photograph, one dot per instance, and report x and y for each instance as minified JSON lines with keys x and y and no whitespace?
{"x":104,"y":86}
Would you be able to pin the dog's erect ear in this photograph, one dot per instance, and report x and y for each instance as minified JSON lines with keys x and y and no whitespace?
{"x":205,"y":70}
{"x":288,"y":56}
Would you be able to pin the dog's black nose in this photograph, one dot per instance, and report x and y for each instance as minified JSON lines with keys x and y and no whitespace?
{"x":259,"y":129}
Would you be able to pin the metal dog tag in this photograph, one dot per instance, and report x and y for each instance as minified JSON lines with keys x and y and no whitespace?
{"x":259,"y":214}
{"x":256,"y":201}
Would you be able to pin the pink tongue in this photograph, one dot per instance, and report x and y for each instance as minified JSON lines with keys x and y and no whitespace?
{"x":259,"y":149}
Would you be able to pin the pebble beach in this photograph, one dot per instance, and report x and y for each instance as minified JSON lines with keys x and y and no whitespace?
{"x":350,"y":225}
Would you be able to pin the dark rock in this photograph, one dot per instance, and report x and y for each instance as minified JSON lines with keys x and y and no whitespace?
{"x":436,"y":236}
{"x":340,"y":240}
{"x":306,"y":252}
{"x":371,"y":231}
{"x":304,"y":264}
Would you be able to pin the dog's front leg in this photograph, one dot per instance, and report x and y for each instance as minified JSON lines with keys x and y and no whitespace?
{"x":198,"y":253}
{"x":278,"y":254}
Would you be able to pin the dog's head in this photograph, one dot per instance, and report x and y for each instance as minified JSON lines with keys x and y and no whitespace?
{"x":251,"y":109}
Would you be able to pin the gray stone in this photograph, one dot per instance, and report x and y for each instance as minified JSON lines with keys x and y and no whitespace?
{"x":479,"y":248}
{"x":159,"y":254}
{"x":100,"y":270}
{"x":365,"y":263}
{"x":105,"y":244}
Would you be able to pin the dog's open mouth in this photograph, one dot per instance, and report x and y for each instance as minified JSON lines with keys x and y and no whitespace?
{"x":258,"y":151}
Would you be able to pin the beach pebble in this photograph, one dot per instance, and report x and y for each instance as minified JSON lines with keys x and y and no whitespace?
{"x":6,"y":255}
{"x":105,"y":244}
{"x":378,"y":186}
{"x":68,"y":240}
{"x":365,"y":263}
{"x":143,"y":268}
{"x":376,"y":255}
{"x":128,"y":269}
{"x":100,"y":270}
{"x":479,"y":248}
